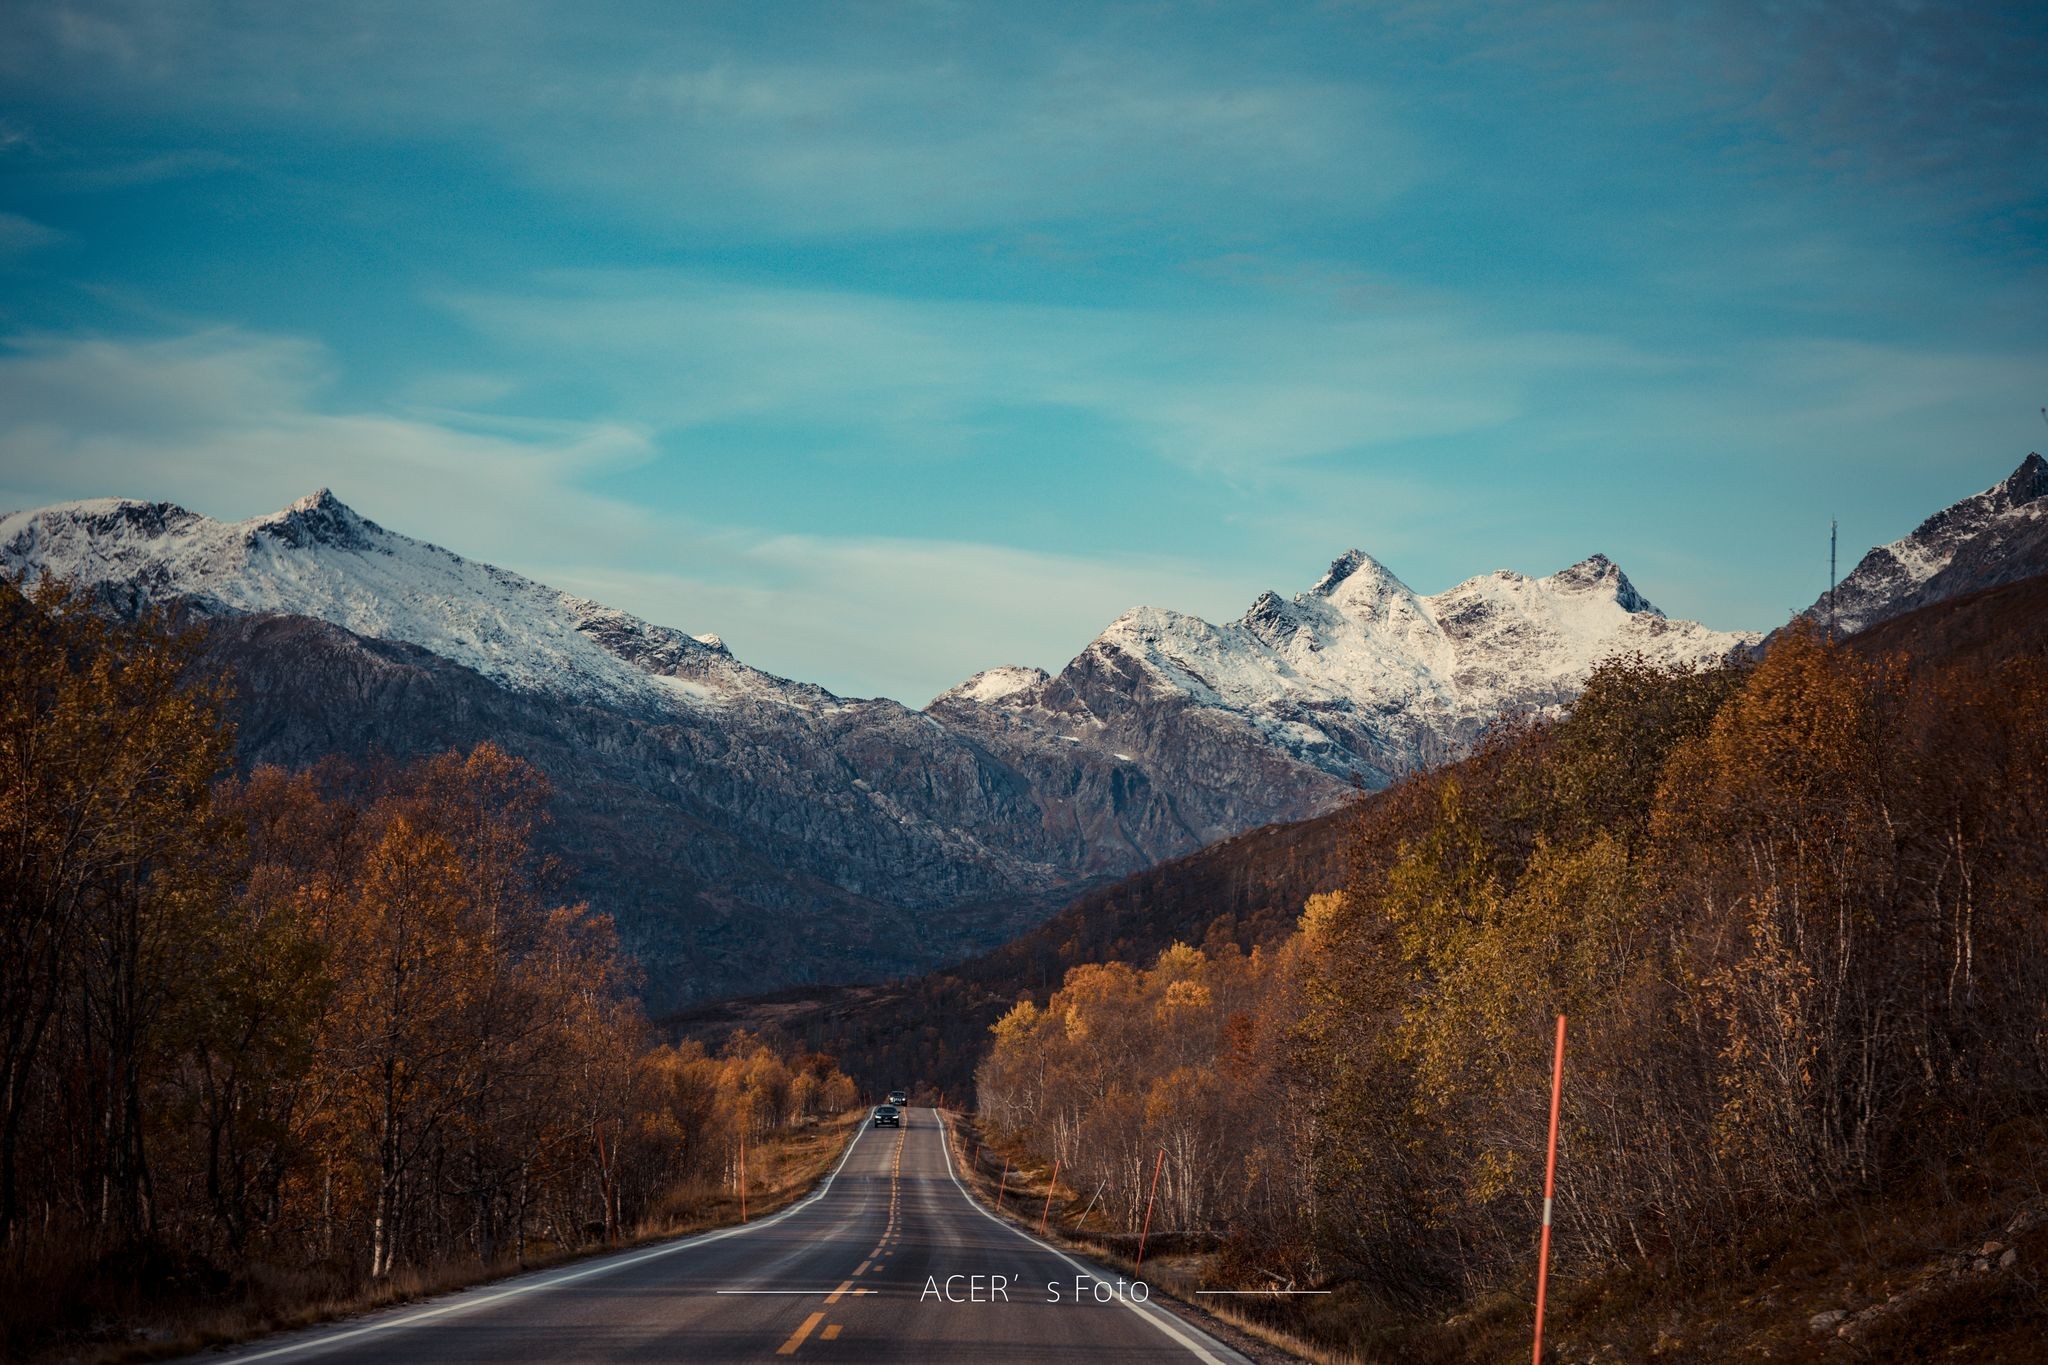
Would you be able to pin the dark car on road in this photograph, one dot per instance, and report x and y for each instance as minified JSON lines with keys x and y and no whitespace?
{"x":888,"y":1116}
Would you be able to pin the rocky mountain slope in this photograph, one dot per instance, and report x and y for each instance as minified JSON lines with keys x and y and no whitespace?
{"x":1998,"y":536}
{"x":318,"y":558}
{"x":750,"y":831}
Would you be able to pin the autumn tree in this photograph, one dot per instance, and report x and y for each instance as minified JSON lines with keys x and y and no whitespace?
{"x":109,"y":747}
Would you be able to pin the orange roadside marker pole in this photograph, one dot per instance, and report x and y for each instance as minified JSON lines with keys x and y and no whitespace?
{"x":1549,"y":1189}
{"x":1050,"y":1187}
{"x":1148,"y":1211}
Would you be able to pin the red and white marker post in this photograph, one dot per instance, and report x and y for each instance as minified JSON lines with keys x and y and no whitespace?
{"x":1055,"y":1183}
{"x":1148,"y":1211}
{"x":1549,"y":1189}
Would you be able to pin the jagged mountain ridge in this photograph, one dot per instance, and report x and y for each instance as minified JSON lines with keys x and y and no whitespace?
{"x":751,"y":831}
{"x":742,"y":827}
{"x":1354,"y":681}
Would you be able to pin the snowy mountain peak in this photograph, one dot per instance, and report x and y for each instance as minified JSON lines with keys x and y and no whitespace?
{"x":1597,"y":574}
{"x":1356,"y":575}
{"x":321,"y":559}
{"x":319,"y":518}
{"x":995,"y":684}
{"x":1359,"y":675}
{"x":2028,"y":483}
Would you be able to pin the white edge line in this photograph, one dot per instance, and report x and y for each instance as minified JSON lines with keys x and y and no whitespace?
{"x":604,"y":1267}
{"x":1158,"y":1317}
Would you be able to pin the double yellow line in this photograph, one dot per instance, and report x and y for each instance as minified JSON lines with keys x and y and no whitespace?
{"x":889,"y":1233}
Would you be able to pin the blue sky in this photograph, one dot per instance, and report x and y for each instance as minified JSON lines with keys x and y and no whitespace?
{"x":896,"y":341}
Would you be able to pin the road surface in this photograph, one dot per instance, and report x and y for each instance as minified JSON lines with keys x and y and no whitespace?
{"x":860,"y":1270}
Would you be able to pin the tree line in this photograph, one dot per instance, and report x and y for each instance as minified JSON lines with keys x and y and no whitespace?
{"x":338,"y":1019}
{"x":1797,"y":913}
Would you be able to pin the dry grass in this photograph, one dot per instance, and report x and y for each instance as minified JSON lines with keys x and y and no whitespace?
{"x":99,"y":1312}
{"x":1754,"y":1302}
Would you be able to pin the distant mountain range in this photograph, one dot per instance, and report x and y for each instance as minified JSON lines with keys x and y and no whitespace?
{"x":750,"y":831}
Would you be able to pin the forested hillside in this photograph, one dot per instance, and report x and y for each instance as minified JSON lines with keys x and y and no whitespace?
{"x":932,"y":1030}
{"x":286,"y":1038}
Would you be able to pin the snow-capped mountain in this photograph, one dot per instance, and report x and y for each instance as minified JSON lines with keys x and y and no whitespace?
{"x":748,"y":831}
{"x":1359,"y":678}
{"x":318,"y":558}
{"x":1997,"y":536}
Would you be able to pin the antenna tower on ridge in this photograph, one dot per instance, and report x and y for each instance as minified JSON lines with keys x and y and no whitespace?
{"x":1831,"y":574}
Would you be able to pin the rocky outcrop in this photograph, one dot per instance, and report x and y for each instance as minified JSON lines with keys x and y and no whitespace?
{"x":1998,"y":1256}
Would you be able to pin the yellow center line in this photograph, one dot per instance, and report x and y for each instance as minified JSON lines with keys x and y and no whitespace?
{"x":862,"y":1270}
{"x":833,"y":1297}
{"x":788,"y":1348}
{"x":829,"y":1333}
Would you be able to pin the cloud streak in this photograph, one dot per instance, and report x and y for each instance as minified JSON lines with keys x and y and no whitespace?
{"x":1226,"y":392}
{"x":882,"y":120}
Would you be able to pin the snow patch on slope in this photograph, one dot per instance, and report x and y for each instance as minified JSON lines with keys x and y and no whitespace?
{"x":994,"y":684}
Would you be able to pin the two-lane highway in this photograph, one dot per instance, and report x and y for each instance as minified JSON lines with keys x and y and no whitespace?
{"x":890,"y":1257}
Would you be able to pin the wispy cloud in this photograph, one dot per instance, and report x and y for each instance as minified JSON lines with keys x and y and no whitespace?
{"x":899,"y":617}
{"x":232,"y":423}
{"x":877,"y":120}
{"x":1944,"y":101}
{"x":1230,"y":392}
{"x":19,"y":235}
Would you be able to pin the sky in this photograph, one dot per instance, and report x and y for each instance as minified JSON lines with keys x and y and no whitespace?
{"x":896,"y":341}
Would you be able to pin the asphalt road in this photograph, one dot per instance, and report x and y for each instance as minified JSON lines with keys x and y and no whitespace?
{"x":860,"y":1270}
